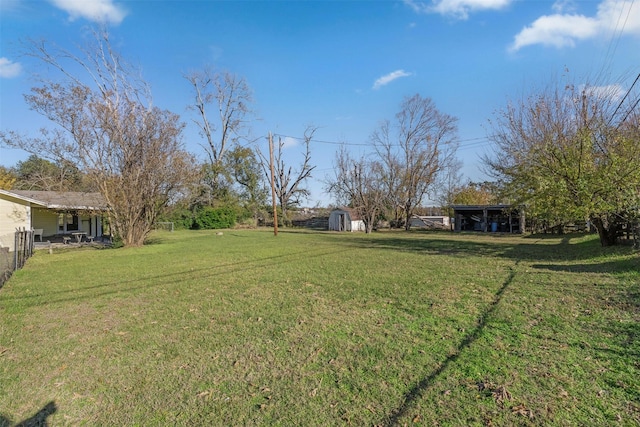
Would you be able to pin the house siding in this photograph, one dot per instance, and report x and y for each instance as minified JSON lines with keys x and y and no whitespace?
{"x":47,"y":220}
{"x":14,"y":214}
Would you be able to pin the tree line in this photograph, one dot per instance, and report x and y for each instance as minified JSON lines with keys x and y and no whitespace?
{"x":566,"y":153}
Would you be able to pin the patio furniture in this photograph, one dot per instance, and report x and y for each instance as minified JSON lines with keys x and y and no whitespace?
{"x":78,"y":235}
{"x":38,"y":232}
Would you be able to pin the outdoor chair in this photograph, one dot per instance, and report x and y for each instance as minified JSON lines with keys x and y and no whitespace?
{"x":38,"y":232}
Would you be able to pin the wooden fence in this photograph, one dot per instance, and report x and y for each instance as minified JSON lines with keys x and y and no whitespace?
{"x":23,"y":249}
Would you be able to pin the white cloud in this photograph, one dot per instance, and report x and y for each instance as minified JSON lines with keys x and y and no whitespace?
{"x":613,"y":18}
{"x":564,"y":6}
{"x":385,"y":80}
{"x":102,"y":11}
{"x":288,"y":142}
{"x":613,"y":93}
{"x":457,"y":8}
{"x":9,"y":69}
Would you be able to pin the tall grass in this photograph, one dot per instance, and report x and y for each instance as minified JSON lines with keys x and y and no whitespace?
{"x":325,"y":329}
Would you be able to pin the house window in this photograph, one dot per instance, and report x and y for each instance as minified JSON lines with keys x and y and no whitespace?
{"x":67,"y":222}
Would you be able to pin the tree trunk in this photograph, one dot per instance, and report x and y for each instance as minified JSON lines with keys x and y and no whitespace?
{"x":607,"y":231}
{"x":407,"y":216}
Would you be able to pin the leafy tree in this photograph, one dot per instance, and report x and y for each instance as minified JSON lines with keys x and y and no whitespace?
{"x":567,"y":154}
{"x":414,"y":150}
{"x":243,"y":165}
{"x":7,"y":178}
{"x":37,"y":173}
{"x":475,"y":193}
{"x":106,"y":125}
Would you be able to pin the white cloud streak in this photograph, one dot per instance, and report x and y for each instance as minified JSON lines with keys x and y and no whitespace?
{"x":560,"y":30}
{"x":101,"y":11}
{"x":459,"y":9}
{"x":9,"y":69}
{"x":612,"y":93}
{"x":385,"y":80}
{"x":288,"y":142}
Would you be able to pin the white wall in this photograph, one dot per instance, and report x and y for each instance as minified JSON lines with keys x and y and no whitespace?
{"x":13,"y":214}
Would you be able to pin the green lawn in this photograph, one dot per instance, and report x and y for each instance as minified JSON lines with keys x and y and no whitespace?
{"x":325,"y":329}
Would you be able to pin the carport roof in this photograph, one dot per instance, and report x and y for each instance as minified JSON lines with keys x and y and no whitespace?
{"x":481,"y":207}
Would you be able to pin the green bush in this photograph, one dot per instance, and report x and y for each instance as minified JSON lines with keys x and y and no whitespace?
{"x":182,"y":218}
{"x":211,"y":218}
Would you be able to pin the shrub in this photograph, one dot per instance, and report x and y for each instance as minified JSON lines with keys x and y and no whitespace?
{"x":212,"y":218}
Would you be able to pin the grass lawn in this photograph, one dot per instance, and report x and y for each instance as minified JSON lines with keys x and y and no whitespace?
{"x":324,"y":329}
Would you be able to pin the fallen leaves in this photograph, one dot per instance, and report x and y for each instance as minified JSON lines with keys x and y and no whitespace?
{"x":499,"y":393}
{"x":522,"y":410}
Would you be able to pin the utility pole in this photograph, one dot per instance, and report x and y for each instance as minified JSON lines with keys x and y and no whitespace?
{"x":273,"y":187}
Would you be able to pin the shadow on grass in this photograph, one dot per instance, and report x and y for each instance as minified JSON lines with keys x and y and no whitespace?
{"x":416,"y":391}
{"x":38,"y":420}
{"x":151,"y":281}
{"x":610,"y":267}
{"x":528,"y":248}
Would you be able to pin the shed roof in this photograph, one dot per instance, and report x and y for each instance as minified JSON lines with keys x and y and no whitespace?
{"x":353,"y":213}
{"x":60,"y":199}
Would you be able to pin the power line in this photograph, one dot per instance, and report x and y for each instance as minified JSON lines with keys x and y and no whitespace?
{"x":630,"y":110}
{"x":621,"y":102}
{"x":615,"y":39}
{"x":471,"y":141}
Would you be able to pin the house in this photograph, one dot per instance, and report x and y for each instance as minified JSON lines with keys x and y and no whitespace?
{"x":489,"y":218}
{"x":345,"y":219}
{"x":56,"y":213}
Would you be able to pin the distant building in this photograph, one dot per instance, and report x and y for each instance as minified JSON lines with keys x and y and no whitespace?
{"x":345,"y":219}
{"x":489,"y":218}
{"x":438,"y":222}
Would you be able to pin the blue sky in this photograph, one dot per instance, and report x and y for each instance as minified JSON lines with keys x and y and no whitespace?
{"x":339,"y":65}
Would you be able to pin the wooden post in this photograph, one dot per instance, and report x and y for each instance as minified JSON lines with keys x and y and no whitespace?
{"x":273,"y":187}
{"x":485,"y":219}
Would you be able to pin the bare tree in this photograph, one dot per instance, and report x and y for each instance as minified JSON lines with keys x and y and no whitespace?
{"x":222,"y":105}
{"x":289,"y":181}
{"x":448,"y":184}
{"x":414,"y":150}
{"x":357,"y":183}
{"x":107,"y":126}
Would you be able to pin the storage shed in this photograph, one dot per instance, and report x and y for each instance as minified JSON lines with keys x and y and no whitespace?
{"x":345,"y":219}
{"x":489,"y":218}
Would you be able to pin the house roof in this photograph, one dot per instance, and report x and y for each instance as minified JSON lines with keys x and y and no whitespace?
{"x":60,"y":199}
